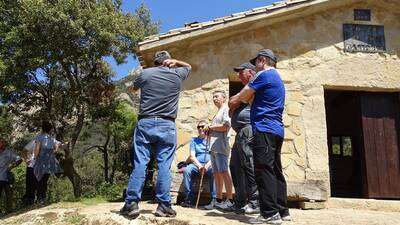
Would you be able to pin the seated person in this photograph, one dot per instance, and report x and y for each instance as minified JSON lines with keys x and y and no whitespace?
{"x":199,"y":162}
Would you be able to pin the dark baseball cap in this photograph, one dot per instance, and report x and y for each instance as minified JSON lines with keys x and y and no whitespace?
{"x":160,"y":56}
{"x":267,"y":53}
{"x":244,"y":66}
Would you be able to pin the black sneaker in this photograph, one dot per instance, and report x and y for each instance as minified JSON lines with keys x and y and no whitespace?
{"x":41,"y":202}
{"x":164,"y":210}
{"x":186,"y":204}
{"x":236,"y":209}
{"x":210,"y":206}
{"x":130,"y":210}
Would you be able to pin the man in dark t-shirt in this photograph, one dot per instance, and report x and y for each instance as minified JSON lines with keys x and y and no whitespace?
{"x":241,"y":164}
{"x":155,"y":132}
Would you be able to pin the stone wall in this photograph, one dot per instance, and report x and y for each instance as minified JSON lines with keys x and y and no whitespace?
{"x":312,"y":59}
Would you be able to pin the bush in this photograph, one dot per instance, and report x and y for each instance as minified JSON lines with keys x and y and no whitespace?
{"x":59,"y":189}
{"x":111,"y":192}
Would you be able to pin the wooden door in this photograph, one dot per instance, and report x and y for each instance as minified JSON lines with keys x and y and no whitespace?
{"x":380,"y":122}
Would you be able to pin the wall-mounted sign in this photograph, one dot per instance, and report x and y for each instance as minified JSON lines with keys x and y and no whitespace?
{"x":362,"y":14}
{"x":364,"y":38}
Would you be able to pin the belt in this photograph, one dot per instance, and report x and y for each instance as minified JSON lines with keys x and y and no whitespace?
{"x":153,"y":117}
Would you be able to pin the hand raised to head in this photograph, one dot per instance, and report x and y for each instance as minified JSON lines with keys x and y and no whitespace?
{"x":169,"y":63}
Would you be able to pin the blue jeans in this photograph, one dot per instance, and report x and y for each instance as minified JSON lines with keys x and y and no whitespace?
{"x":153,"y":136}
{"x":192,"y":170}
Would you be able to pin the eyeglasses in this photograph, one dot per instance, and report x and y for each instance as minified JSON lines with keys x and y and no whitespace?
{"x":200,"y":127}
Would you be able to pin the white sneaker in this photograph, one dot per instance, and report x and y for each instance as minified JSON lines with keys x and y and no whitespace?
{"x":224,"y":205}
{"x":248,"y":209}
{"x":286,"y":218}
{"x":275,"y":219}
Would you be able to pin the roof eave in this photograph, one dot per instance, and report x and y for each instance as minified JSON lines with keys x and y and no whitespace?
{"x":195,"y":33}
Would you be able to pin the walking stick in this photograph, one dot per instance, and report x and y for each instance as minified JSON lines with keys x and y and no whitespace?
{"x":202,"y":173}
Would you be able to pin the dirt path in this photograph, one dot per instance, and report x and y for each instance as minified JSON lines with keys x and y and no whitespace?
{"x":107,"y":214}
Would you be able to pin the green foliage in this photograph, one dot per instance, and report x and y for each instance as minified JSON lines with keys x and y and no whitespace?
{"x":59,"y":189}
{"x":123,"y":121}
{"x":111,"y":192}
{"x":93,"y":201}
{"x":52,"y":66}
{"x":5,"y":122}
{"x":75,"y":219}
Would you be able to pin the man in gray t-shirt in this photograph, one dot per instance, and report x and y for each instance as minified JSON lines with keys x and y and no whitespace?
{"x":155,"y":132}
{"x":159,"y":90}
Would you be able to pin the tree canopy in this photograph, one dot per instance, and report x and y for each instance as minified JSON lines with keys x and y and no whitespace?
{"x":52,"y":62}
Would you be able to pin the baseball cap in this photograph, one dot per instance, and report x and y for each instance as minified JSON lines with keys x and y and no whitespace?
{"x":243,"y":66}
{"x":160,"y":56}
{"x":265,"y":52}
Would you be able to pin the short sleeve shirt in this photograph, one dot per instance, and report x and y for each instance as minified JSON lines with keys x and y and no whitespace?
{"x":30,"y":148}
{"x":268,"y":104}
{"x":198,"y":148}
{"x":159,"y":90}
{"x":241,"y":117}
{"x":7,"y":157}
{"x":219,"y":141}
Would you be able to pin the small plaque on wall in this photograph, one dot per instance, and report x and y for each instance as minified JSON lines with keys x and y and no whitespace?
{"x":362,"y":14}
{"x":364,"y":38}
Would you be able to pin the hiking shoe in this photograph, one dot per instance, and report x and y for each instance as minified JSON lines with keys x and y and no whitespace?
{"x":249,"y":209}
{"x":236,"y":209}
{"x":164,"y":210}
{"x":225,"y":205}
{"x":131,"y":210}
{"x":286,"y":218}
{"x":211,"y":205}
{"x":186,"y":204}
{"x":275,"y":219}
{"x":41,"y":202}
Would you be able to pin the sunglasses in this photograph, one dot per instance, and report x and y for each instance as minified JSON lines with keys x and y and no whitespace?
{"x":200,"y":127}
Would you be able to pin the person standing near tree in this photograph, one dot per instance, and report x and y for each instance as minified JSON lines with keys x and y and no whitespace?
{"x":8,"y":160}
{"x":45,"y":160}
{"x":155,"y":132}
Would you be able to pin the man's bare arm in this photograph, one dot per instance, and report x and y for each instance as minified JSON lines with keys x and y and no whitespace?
{"x":245,"y":95}
{"x":176,"y":63}
{"x":219,"y":127}
{"x":195,"y":161}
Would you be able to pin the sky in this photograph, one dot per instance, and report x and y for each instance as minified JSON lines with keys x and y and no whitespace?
{"x":175,"y":13}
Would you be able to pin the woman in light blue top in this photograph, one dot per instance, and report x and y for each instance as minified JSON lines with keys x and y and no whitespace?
{"x":46,"y":162}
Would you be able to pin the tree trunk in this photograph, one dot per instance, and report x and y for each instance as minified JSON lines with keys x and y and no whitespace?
{"x":105,"y":158}
{"x":67,"y":163}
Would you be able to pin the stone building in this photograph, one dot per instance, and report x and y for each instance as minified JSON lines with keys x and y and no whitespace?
{"x":339,"y":60}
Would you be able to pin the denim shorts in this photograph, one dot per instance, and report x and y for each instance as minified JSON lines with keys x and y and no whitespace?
{"x":219,"y":162}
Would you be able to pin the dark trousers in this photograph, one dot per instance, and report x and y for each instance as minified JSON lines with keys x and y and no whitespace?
{"x":42,"y":187}
{"x":242,"y":169}
{"x":30,"y":186}
{"x":5,"y":186}
{"x":269,"y":177}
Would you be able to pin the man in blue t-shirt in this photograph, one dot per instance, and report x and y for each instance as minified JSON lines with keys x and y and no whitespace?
{"x":267,"y":93}
{"x":199,"y":163}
